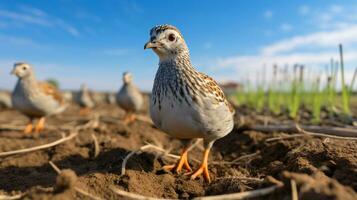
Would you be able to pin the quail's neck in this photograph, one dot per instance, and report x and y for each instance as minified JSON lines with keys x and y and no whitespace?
{"x":127,"y":84}
{"x":179,"y":61}
{"x":29,"y":83}
{"x":29,"y":79}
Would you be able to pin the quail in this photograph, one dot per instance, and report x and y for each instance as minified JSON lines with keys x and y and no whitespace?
{"x":85,"y":100}
{"x":35,"y":99}
{"x":129,"y":98}
{"x":185,"y":103}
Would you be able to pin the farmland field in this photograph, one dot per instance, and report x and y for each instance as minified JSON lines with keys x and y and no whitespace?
{"x":245,"y":160}
{"x":202,"y":100}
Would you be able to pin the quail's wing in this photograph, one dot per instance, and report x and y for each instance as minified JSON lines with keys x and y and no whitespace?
{"x":50,"y":90}
{"x":212,"y":89}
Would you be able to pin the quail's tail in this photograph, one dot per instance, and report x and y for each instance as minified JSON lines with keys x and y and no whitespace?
{"x":61,"y":108}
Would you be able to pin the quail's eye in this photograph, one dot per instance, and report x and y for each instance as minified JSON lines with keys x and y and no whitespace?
{"x":172,"y":37}
{"x":23,"y":68}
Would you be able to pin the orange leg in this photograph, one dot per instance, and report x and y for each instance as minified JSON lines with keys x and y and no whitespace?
{"x":126,"y":118}
{"x":182,"y":163}
{"x":28,"y":128}
{"x":132,"y":118}
{"x":203,"y":169}
{"x":40,"y":125}
{"x":129,"y":118}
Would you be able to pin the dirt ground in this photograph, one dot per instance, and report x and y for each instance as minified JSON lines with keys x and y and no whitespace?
{"x":321,"y":168}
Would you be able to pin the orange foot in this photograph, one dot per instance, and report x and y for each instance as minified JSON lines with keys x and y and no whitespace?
{"x":40,"y":125}
{"x":182,"y":163}
{"x":28,"y":128}
{"x":203,"y":169}
{"x":129,"y":118}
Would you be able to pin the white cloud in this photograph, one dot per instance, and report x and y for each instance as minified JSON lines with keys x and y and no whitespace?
{"x":313,"y":50}
{"x":315,"y":40}
{"x":268,"y":14}
{"x":33,"y":11}
{"x":34,"y":16}
{"x":332,"y":25}
{"x":253,"y":67}
{"x":333,"y":17}
{"x":286,"y":27}
{"x":25,"y":18}
{"x":313,"y":59}
{"x":68,"y":28}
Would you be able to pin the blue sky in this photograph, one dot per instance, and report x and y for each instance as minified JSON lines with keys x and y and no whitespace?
{"x":94,"y":42}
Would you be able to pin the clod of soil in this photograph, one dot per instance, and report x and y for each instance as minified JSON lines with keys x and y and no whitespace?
{"x":65,"y":180}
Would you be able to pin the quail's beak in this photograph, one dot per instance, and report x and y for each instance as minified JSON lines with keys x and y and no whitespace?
{"x":13,"y":72}
{"x":150,"y":45}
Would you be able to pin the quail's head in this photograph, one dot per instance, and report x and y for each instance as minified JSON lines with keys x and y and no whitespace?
{"x":22,"y":70}
{"x":127,"y":77}
{"x":166,"y":41}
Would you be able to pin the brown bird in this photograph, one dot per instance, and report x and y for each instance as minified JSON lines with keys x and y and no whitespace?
{"x":185,"y":103}
{"x":35,"y":99}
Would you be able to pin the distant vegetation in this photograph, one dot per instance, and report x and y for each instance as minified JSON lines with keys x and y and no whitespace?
{"x":292,"y":91}
{"x":53,"y":82}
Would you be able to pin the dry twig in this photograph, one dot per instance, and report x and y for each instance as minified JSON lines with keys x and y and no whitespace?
{"x":55,"y":167}
{"x":165,"y":152}
{"x":332,"y":132}
{"x":345,"y":135}
{"x":96,"y":146}
{"x":45,"y":146}
{"x":123,"y":165}
{"x":243,"y":195}
{"x":11,"y":127}
{"x":294,"y":193}
{"x":90,"y":124}
{"x":169,"y":155}
{"x":242,"y":178}
{"x":5,"y":197}
{"x":285,"y":137}
{"x":131,"y":195}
